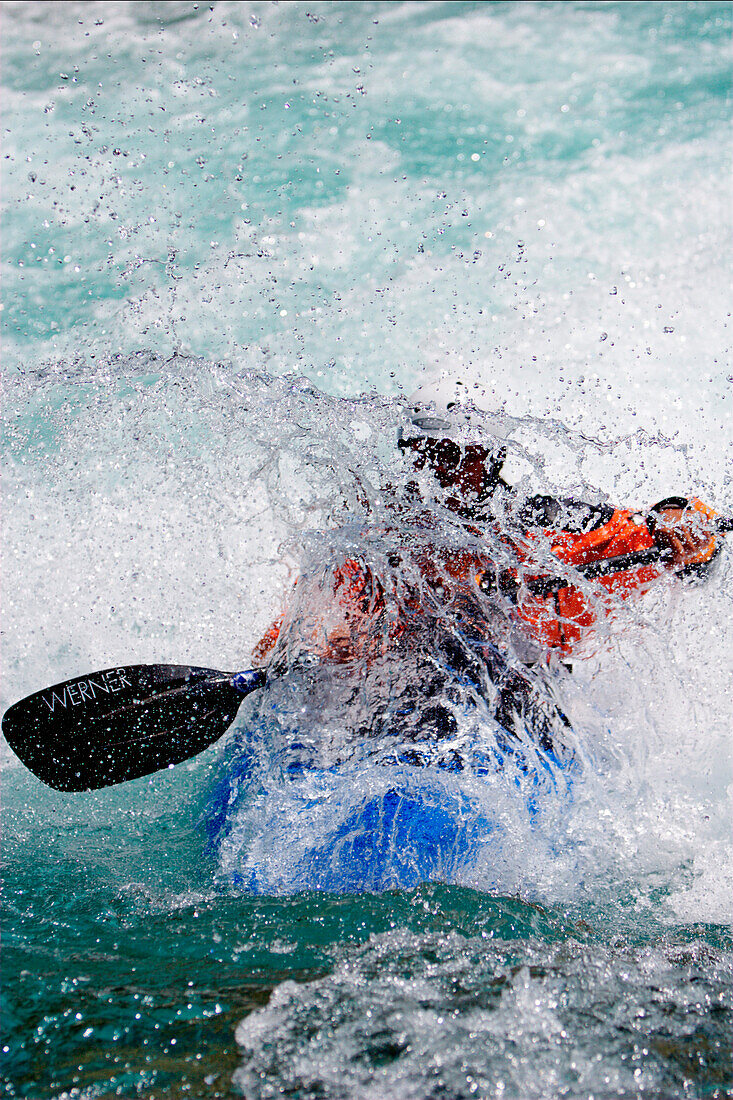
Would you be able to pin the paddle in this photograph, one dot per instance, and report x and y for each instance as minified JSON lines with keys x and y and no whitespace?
{"x":122,"y":723}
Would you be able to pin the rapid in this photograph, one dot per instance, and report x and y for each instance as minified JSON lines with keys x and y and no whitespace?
{"x":237,"y":237}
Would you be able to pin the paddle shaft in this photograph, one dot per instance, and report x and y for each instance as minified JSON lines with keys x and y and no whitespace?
{"x":123,"y":723}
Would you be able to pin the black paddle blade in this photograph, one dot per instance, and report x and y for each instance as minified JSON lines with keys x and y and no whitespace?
{"x":122,"y":723}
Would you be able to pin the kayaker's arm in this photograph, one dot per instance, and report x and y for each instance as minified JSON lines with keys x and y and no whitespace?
{"x":688,"y":532}
{"x":685,"y":532}
{"x":621,"y":551}
{"x":262,"y":651}
{"x":347,"y":619}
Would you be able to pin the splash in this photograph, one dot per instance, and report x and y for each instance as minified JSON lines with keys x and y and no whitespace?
{"x":186,"y":499}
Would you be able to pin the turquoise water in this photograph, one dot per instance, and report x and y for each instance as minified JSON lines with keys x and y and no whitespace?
{"x":234,"y":235}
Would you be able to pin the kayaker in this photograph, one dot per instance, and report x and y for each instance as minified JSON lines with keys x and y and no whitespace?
{"x":563,"y":565}
{"x":623,"y":550}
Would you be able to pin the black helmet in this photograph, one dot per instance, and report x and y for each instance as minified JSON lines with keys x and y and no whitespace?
{"x":453,"y":443}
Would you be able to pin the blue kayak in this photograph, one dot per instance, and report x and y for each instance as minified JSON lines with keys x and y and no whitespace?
{"x":307,"y":801}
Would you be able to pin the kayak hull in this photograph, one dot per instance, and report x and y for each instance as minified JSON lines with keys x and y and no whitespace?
{"x":279,"y":827}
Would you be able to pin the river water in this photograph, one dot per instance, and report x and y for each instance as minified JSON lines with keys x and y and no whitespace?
{"x":235,"y":237}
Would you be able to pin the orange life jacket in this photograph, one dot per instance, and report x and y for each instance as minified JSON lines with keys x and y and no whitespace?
{"x":617,"y":558}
